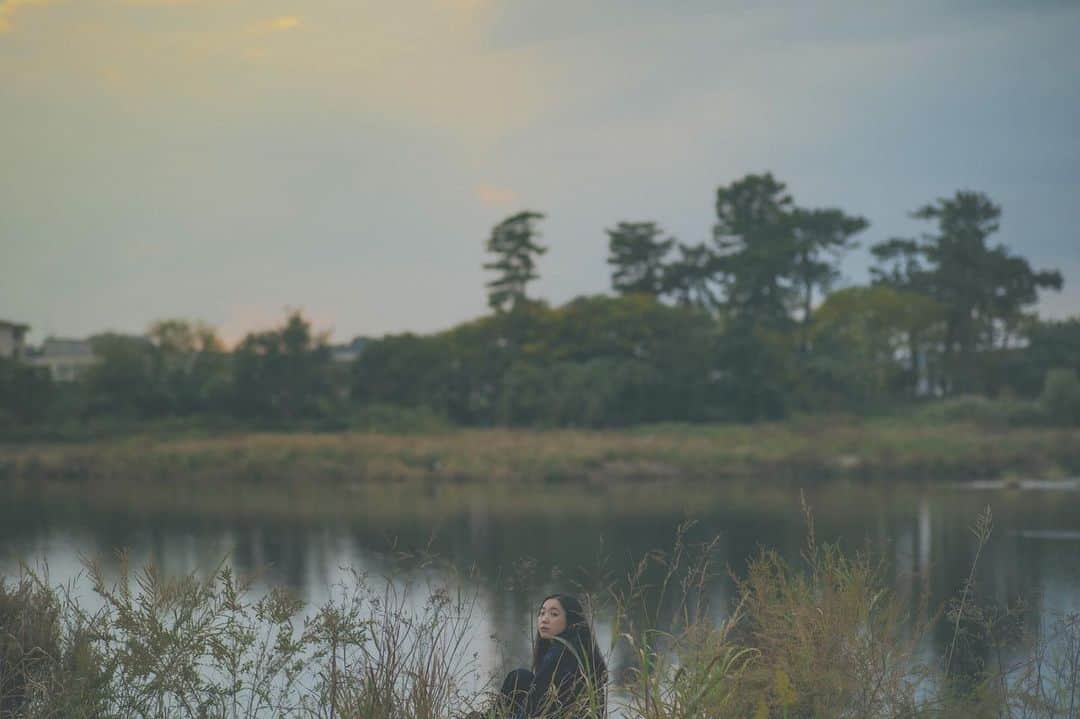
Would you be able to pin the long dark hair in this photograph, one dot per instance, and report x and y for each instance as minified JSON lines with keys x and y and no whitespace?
{"x":578,"y":635}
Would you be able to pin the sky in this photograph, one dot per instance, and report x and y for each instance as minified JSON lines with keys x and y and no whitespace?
{"x":226,"y":160}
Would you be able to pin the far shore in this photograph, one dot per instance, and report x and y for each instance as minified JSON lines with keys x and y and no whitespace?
{"x":803,"y":450}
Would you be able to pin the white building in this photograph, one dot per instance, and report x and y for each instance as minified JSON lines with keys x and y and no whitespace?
{"x":13,"y":339}
{"x":66,"y":359}
{"x":345,"y":353}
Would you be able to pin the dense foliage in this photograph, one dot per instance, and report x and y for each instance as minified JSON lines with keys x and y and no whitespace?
{"x":746,"y":326}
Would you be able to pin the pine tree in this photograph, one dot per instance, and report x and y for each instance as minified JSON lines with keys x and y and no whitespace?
{"x":636,"y":253}
{"x":513,"y":243}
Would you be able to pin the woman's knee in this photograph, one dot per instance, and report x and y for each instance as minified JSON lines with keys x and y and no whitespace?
{"x":519,"y":680}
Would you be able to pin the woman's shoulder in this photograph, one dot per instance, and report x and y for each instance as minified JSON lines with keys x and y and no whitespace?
{"x":555,"y":652}
{"x":561,"y":655}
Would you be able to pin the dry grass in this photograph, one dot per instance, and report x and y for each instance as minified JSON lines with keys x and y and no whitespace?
{"x":826,"y":638}
{"x":880,"y":449}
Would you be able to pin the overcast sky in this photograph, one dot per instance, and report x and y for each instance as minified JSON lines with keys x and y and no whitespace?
{"x":222,"y":160}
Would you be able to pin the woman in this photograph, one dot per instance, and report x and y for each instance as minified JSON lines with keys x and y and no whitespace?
{"x":568,"y":677}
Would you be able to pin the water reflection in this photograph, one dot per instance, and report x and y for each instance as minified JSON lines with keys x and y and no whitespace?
{"x":518,"y":544}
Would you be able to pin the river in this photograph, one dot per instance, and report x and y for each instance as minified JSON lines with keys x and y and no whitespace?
{"x":514,"y":543}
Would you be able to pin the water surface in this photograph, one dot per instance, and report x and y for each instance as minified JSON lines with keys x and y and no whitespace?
{"x":515,"y":543}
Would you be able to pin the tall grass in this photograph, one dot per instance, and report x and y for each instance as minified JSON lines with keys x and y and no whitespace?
{"x":830,"y":639}
{"x":881,"y":449}
{"x":204,"y":647}
{"x":825,"y":637}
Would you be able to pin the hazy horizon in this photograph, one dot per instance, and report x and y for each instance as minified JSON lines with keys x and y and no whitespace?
{"x":221,"y":160}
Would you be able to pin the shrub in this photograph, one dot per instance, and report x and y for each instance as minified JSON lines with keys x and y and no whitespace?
{"x":984,"y":411}
{"x":396,"y":419}
{"x":29,"y":642}
{"x":26,"y":393}
{"x":1061,"y":396}
{"x":192,"y":647}
{"x":830,"y":641}
{"x":595,"y":393}
{"x":49,"y":665}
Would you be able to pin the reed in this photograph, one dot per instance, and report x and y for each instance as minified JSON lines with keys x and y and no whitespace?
{"x":880,"y":449}
{"x":823,"y":638}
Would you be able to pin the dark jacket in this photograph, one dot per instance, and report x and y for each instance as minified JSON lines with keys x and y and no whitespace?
{"x":558,"y":689}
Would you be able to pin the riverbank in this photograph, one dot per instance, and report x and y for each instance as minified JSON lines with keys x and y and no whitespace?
{"x":808,"y":450}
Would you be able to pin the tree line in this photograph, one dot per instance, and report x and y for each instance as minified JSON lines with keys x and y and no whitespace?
{"x":748,"y":325}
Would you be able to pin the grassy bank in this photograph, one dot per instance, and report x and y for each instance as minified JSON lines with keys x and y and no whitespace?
{"x":886,"y":448}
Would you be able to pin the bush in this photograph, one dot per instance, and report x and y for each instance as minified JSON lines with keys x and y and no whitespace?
{"x":984,"y":411}
{"x":26,"y":392}
{"x":830,"y":641}
{"x":827,"y":640}
{"x":192,"y":647}
{"x":48,"y":664}
{"x":597,"y":393}
{"x":29,"y":642}
{"x":395,"y":419}
{"x":1061,"y":396}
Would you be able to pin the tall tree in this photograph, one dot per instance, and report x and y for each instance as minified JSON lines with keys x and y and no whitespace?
{"x":821,"y":236}
{"x":1051,"y":344}
{"x":282,"y":374}
{"x":124,"y":380}
{"x":512,"y":241}
{"x":900,"y":264}
{"x":191,"y":365}
{"x":754,"y":257}
{"x":982,"y":289}
{"x":866,"y":345}
{"x":26,"y":392}
{"x":689,"y":279}
{"x":636,"y":253}
{"x":755,"y":248}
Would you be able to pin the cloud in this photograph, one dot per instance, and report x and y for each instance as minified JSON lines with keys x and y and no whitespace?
{"x":425,"y":66}
{"x":495,"y":196}
{"x":9,"y":8}
{"x":278,"y":24}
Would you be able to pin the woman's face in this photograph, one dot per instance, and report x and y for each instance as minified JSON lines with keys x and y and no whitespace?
{"x":552,"y":619}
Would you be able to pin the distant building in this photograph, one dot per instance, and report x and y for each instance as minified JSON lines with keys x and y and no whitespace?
{"x":13,"y":339}
{"x":348,"y":352}
{"x":66,"y":359}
